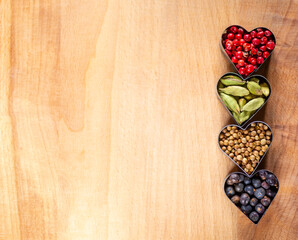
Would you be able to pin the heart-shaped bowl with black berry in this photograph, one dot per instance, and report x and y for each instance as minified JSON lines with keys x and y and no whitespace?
{"x":246,"y":147}
{"x":243,"y":98}
{"x":247,"y":51}
{"x":252,"y":196}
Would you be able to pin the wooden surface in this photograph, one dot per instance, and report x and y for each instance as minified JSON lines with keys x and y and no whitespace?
{"x":109,"y":119}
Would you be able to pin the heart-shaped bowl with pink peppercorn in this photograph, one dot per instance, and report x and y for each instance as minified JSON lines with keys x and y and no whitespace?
{"x":247,"y":51}
{"x":252,"y":196}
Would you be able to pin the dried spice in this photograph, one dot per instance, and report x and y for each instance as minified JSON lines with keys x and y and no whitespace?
{"x":230,"y":102}
{"x":246,"y":147}
{"x":232,"y":80}
{"x":252,"y":199}
{"x":235,"y":91}
{"x":243,"y":98}
{"x":254,"y":88}
{"x":254,"y":104}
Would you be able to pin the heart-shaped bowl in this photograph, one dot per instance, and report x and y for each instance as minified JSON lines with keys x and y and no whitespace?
{"x":246,"y":116}
{"x":246,"y":147}
{"x":245,"y":48}
{"x":252,"y":196}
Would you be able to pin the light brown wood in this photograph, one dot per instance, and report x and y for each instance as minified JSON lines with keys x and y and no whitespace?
{"x":109,"y":120}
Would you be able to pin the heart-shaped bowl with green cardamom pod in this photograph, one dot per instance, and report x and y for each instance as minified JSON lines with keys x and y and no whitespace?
{"x":246,"y":147}
{"x":243,"y":98}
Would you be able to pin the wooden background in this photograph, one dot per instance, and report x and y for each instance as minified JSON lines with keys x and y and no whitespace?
{"x":109,"y":119}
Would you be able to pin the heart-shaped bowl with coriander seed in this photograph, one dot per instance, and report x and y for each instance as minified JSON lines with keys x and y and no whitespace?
{"x":252,"y":196}
{"x":246,"y":147}
{"x":243,"y":98}
{"x":247,"y":51}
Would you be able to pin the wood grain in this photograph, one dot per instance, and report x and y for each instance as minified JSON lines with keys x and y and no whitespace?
{"x":109,"y":119}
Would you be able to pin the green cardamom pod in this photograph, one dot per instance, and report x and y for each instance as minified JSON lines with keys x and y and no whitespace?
{"x":220,"y":85}
{"x":235,"y":91}
{"x":241,"y":102}
{"x":254,"y":104}
{"x":254,"y":79}
{"x":236,"y":117}
{"x":243,"y":116}
{"x":249,"y":97}
{"x":230,"y":102}
{"x":232,"y":76}
{"x":254,"y":88}
{"x":232,"y":80}
{"x":265,"y":89}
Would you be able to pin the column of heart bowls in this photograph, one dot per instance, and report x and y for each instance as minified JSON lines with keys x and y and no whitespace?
{"x":243,"y":94}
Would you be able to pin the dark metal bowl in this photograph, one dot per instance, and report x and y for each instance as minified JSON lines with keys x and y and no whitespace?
{"x":238,"y":75}
{"x":245,"y":31}
{"x":272,"y":198}
{"x":249,"y":175}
